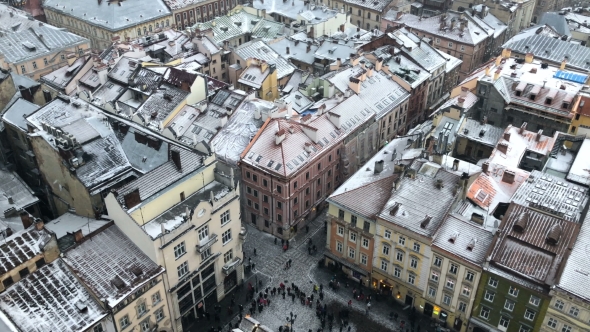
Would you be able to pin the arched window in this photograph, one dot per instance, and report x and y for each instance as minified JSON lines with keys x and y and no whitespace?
{"x":139,"y":32}
{"x":177,"y":17}
{"x":359,"y":12}
{"x":167,"y":22}
{"x":377,"y":18}
{"x":150,"y":28}
{"x":144,"y":30}
{"x":368,"y":15}
{"x":157,"y":25}
{"x":368,"y":26}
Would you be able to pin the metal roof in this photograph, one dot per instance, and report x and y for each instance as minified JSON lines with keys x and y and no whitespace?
{"x":261,"y":50}
{"x":470,"y":241}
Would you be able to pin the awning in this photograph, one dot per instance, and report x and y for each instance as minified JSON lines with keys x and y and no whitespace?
{"x":345,"y":263}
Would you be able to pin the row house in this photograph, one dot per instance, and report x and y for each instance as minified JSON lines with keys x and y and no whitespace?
{"x":184,"y":214}
{"x":187,"y":13}
{"x":103,"y":22}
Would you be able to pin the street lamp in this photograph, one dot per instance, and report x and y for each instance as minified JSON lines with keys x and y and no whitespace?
{"x":291,"y":321}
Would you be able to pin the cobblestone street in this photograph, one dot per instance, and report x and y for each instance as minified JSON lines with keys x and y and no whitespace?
{"x":269,"y":267}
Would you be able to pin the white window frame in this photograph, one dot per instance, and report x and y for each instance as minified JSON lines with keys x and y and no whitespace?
{"x":534,"y":300}
{"x":384,"y":265}
{"x":566,"y":328}
{"x":124,"y":319}
{"x":529,"y":314}
{"x":159,"y":314}
{"x":509,"y":305}
{"x":469,"y":276}
{"x":447,"y":299}
{"x":432,"y":292}
{"x":416,"y":247}
{"x":352,"y":236}
{"x":437,"y":261}
{"x":414,"y":262}
{"x":513,"y":291}
{"x":466,"y":291}
{"x":552,"y":322}
{"x":156,"y":298}
{"x":204,"y":233}
{"x":399,"y":256}
{"x":411,"y":278}
{"x":365,"y":243}
{"x":489,"y":296}
{"x":351,"y":252}
{"x":493,"y":282}
{"x":574,"y":311}
{"x":504,"y":322}
{"x":484,"y":313}
{"x":402,"y":241}
{"x":559,"y":305}
{"x":387,"y":234}
{"x":225,"y":218}
{"x":364,"y":259}
{"x":397,"y":272}
{"x":385,"y":250}
{"x":462,"y":306}
{"x":226,"y":237}
{"x":141,"y":309}
{"x":182,"y":269}
{"x":179,"y":250}
{"x":339,"y":246}
{"x":434,"y":276}
{"x":340,"y":231}
{"x":453,"y":268}
{"x":228,"y":256}
{"x":450,"y":283}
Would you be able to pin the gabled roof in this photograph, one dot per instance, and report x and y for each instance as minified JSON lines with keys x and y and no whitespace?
{"x":22,"y":246}
{"x":529,"y":253}
{"x":13,"y":188}
{"x":239,"y":23}
{"x":575,"y":278}
{"x":111,"y":265}
{"x":51,"y":299}
{"x":260,"y":50}
{"x":18,"y":112}
{"x":463,"y":239}
{"x":489,"y":189}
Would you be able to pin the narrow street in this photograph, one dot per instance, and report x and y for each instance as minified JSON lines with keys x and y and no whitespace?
{"x":305,"y":272}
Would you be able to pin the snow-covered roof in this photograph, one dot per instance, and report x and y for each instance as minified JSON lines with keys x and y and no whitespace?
{"x":238,"y":23}
{"x":260,"y":50}
{"x":552,"y":195}
{"x":113,"y":17}
{"x":519,"y":141}
{"x":469,"y":240}
{"x":15,"y":194}
{"x":22,"y":246}
{"x":62,"y":76}
{"x":557,"y":21}
{"x":578,"y":173}
{"x":161,"y":103}
{"x":111,"y":265}
{"x":69,"y":223}
{"x":483,"y":133}
{"x":575,"y":278}
{"x":532,"y":244}
{"x":51,"y":299}
{"x":18,"y":111}
{"x":241,"y":127}
{"x":296,"y":10}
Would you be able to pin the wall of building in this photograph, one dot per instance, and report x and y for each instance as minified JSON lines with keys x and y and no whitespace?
{"x":22,"y":154}
{"x":201,"y":12}
{"x":560,"y":313}
{"x":7,"y":90}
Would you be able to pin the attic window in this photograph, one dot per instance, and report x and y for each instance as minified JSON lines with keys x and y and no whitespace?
{"x":118,"y":282}
{"x":425,"y":221}
{"x":554,"y":235}
{"x":136,"y":270}
{"x":454,"y":237}
{"x":523,"y":220}
{"x":471,"y":244}
{"x":29,"y":46}
{"x":565,"y":105}
{"x":481,"y":195}
{"x":81,"y":305}
{"x":394,"y":209}
{"x":548,"y":101}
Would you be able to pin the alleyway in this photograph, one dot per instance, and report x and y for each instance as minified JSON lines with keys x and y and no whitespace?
{"x":304,"y":273}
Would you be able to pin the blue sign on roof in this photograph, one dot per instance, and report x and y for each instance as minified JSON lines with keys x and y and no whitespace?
{"x":573,"y":77}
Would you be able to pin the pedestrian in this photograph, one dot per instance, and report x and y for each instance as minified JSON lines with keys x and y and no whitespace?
{"x":292,"y":297}
{"x":274,"y":291}
{"x":290,"y":261}
{"x":241,"y":308}
{"x":254,"y":251}
{"x":208,"y":315}
{"x":311,"y":297}
{"x":283,"y":295}
{"x":349,"y":303}
{"x":322,"y":296}
{"x":321,"y":287}
{"x":306,"y":228}
{"x":268,"y":302}
{"x":284,"y":247}
{"x":275,"y":240}
{"x":251,"y":311}
{"x":260,"y":307}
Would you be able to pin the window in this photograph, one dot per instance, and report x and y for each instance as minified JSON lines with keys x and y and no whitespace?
{"x":352,"y":236}
{"x":504,"y":321}
{"x":182,"y":269}
{"x":98,"y":328}
{"x":279,"y":217}
{"x":145,"y":325}
{"x":469,"y":276}
{"x":552,"y":323}
{"x":45,"y":62}
{"x":558,"y":305}
{"x":450,"y":44}
{"x":124,"y":321}
{"x":509,"y":305}
{"x":159,"y":314}
{"x":566,"y":328}
{"x":340,"y":230}
{"x":295,"y":185}
{"x":524,"y":329}
{"x":434,"y":276}
{"x":446,"y":299}
{"x":225,"y":217}
{"x":365,"y":242}
{"x":265,"y":198}
{"x":383,"y":265}
{"x":353,"y":220}
{"x":466,"y":291}
{"x":438,"y":40}
{"x":416,"y":247}
{"x":402,"y":240}
{"x":574,"y":311}
{"x":204,"y":233}
{"x":534,"y":300}
{"x":513,"y":291}
{"x":351,"y":252}
{"x":529,"y":314}
{"x":264,"y":182}
{"x":493,"y":282}
{"x":141,"y":309}
{"x":248,"y":175}
{"x":254,"y":176}
{"x":431,"y":291}
{"x":366,"y":226}
{"x":339,"y":246}
{"x":387,"y":235}
{"x":255,"y":193}
{"x":462,"y":306}
{"x":228,"y":256}
{"x":206,"y":254}
{"x":450,"y":284}
{"x":399,"y":256}
{"x":397,"y":272}
{"x":484,"y":313}
{"x":489,"y":296}
{"x":453,"y":269}
{"x":411,"y":278}
{"x":266,"y":212}
{"x":22,"y":69}
{"x":156,"y":298}
{"x":341,"y":214}
{"x":414,"y":263}
{"x":179,"y":250}
{"x":385,"y":250}
{"x":437,"y":261}
{"x":307,"y":176}
{"x":226,"y":236}
{"x":24,"y":272}
{"x":279,"y":189}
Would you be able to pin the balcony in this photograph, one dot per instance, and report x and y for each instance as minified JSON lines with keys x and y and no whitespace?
{"x":206,"y":243}
{"x":231,"y":266}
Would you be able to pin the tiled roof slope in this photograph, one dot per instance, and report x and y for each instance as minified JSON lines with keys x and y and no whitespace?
{"x":260,"y":50}
{"x":575,"y":277}
{"x":529,"y":253}
{"x":465,"y":234}
{"x":109,"y":255}
{"x":12,"y":186}
{"x":20,"y":247}
{"x":50,"y":300}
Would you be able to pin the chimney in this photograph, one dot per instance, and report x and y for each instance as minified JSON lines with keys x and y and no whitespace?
{"x":378,"y":166}
{"x":498,"y":60}
{"x":307,"y":147}
{"x":563,"y":63}
{"x":484,"y":120}
{"x":308,"y":48}
{"x":485,"y":167}
{"x":305,"y":119}
{"x":497,"y":73}
{"x":39,"y":224}
{"x":507,"y":136}
{"x":132,"y":199}
{"x":528,"y":58}
{"x":502,"y":147}
{"x":355,"y":85}
{"x":379,"y":64}
{"x":394,"y":209}
{"x":456,"y":165}
{"x":488,"y":71}
{"x":175,"y":157}
{"x":399,"y":15}
{"x":78,"y":236}
{"x":522,"y":128}
{"x":287,"y":49}
{"x":506,"y":53}
{"x":462,"y":26}
{"x":464,"y":91}
{"x":539,"y":134}
{"x":26,"y":219}
{"x":280,"y":136}
{"x":460,"y":102}
{"x":369,"y":71}
{"x":508,"y":176}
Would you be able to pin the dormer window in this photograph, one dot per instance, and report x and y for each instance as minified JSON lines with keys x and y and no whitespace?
{"x":532,"y":96}
{"x":548,"y":101}
{"x":565,"y":105}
